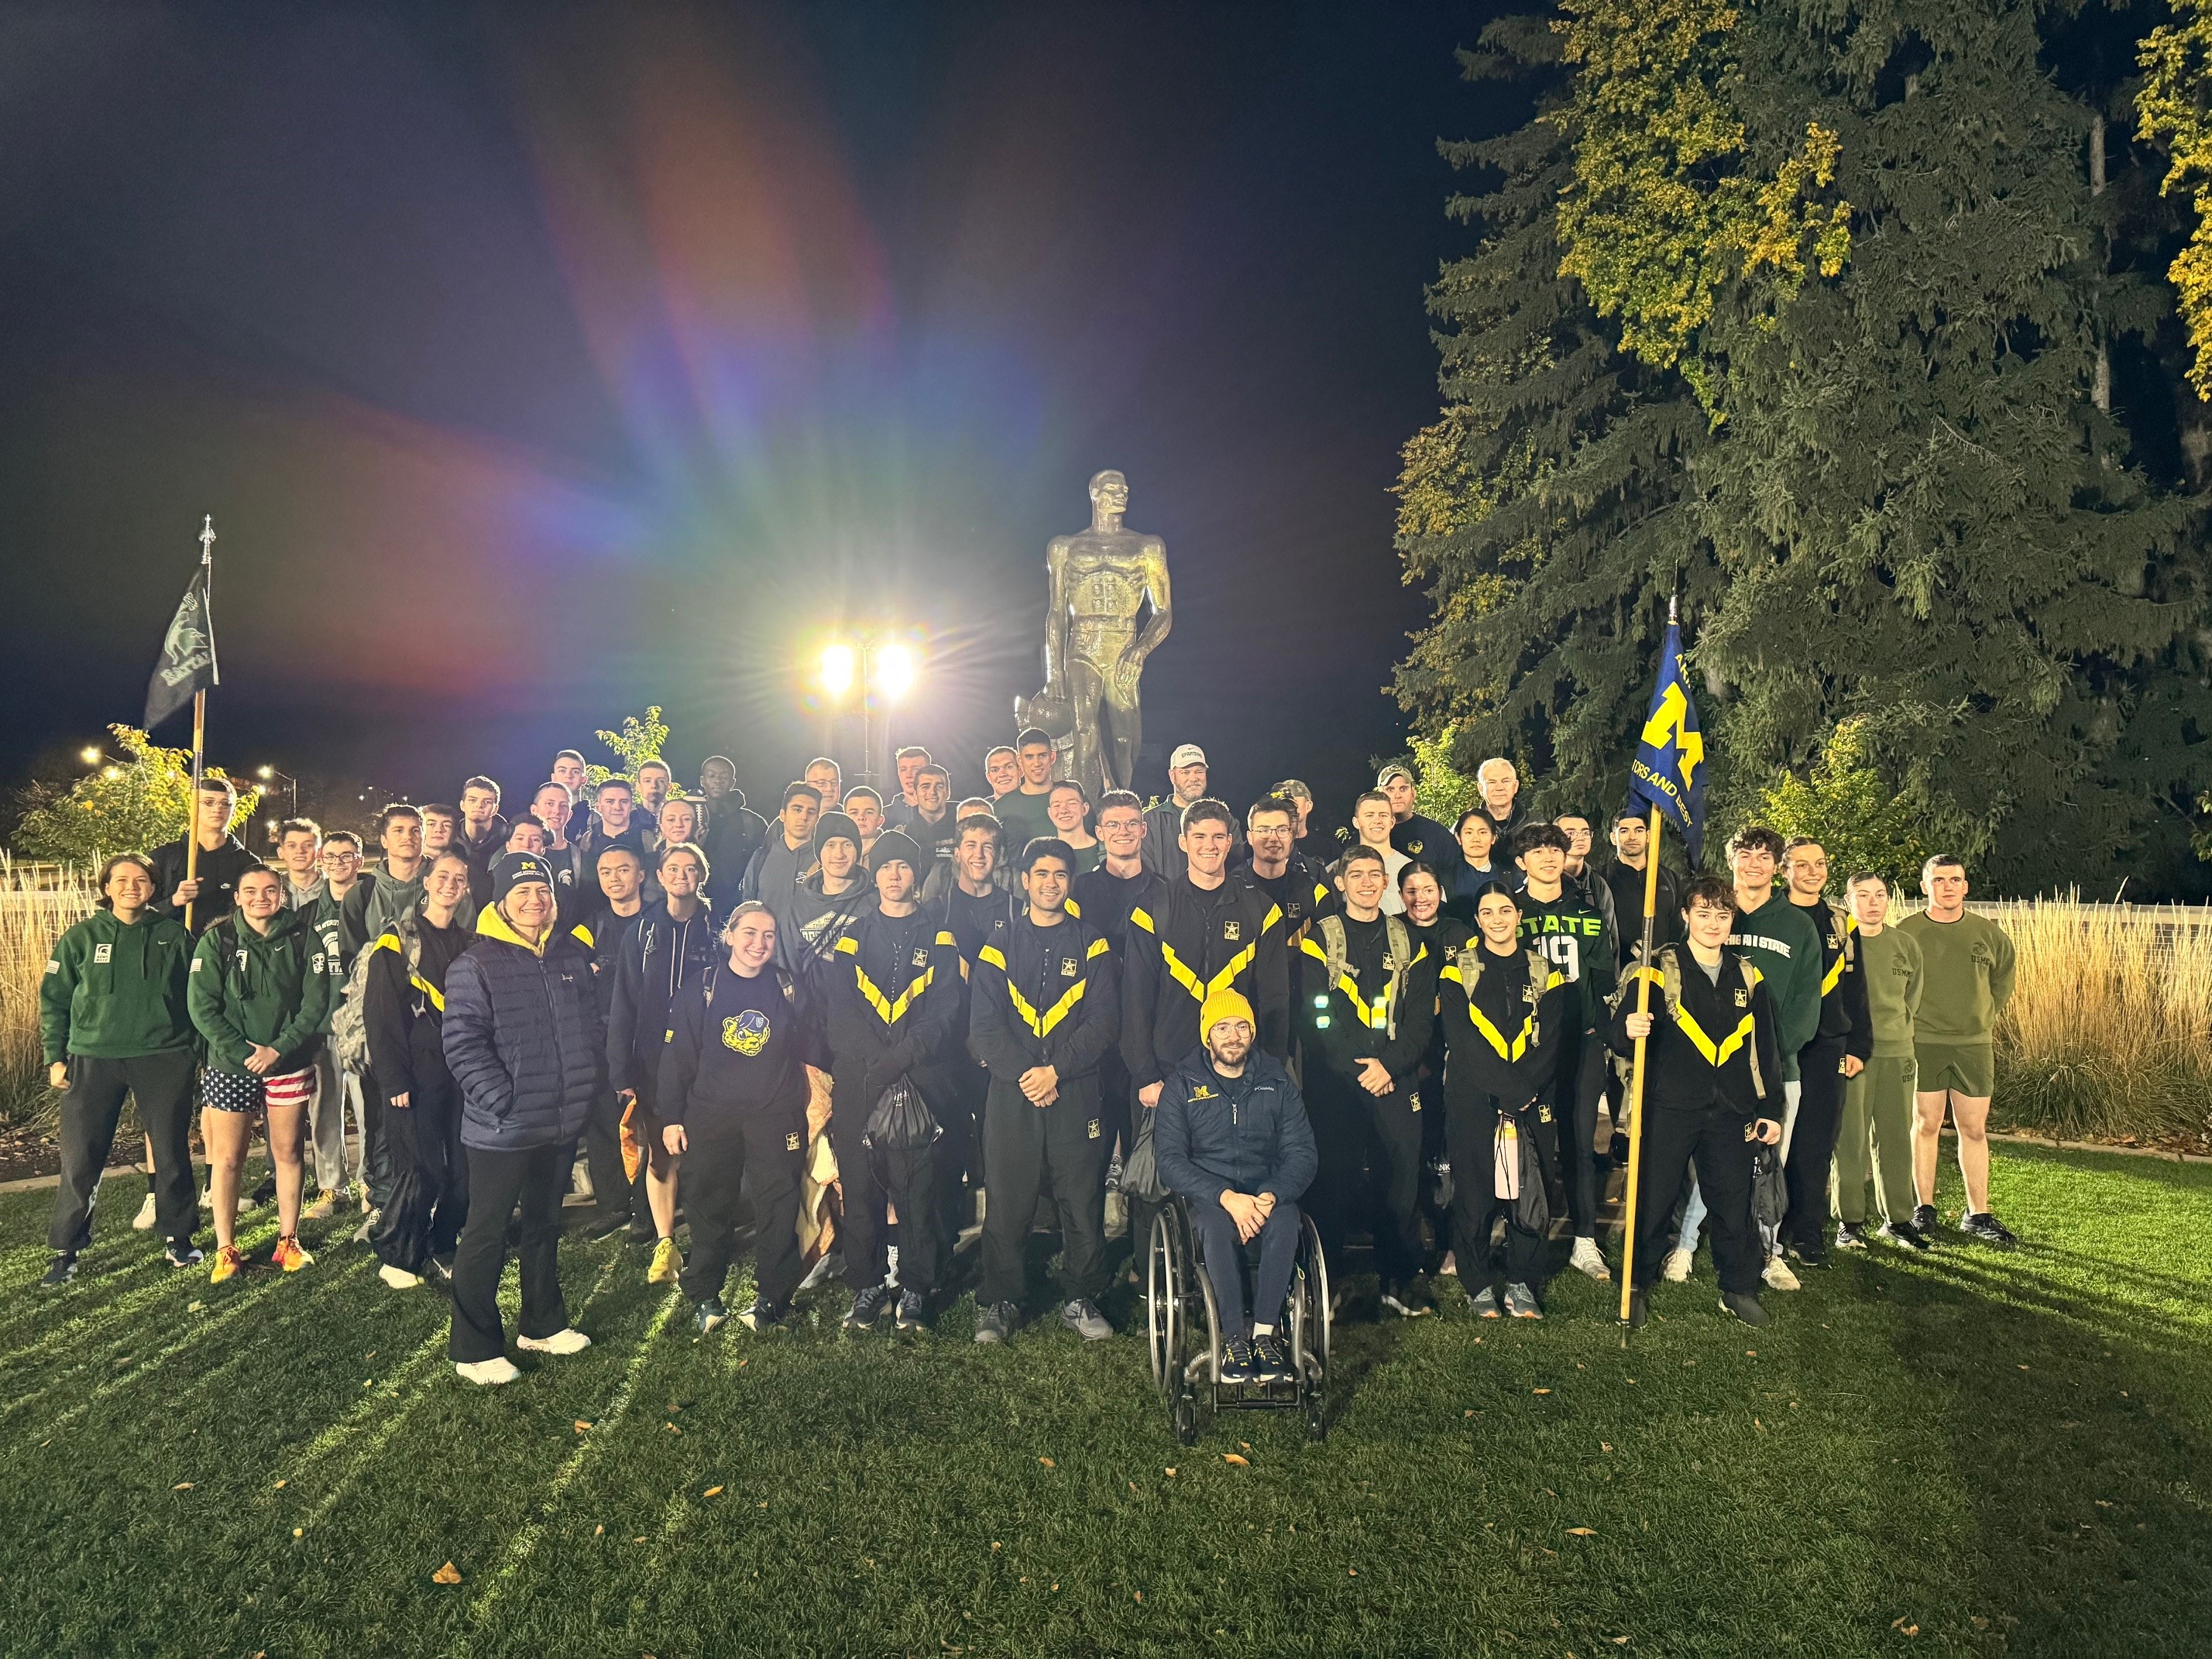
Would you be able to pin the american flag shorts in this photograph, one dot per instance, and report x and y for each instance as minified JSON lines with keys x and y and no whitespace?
{"x":241,"y":1091}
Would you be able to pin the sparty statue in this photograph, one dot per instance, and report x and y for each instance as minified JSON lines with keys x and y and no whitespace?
{"x":1107,"y":608}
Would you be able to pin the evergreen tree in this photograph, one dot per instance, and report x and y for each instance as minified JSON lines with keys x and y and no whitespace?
{"x":1926,"y":524}
{"x":1540,"y":508}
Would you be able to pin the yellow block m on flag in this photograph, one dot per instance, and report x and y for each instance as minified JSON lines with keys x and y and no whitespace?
{"x":1668,"y":771}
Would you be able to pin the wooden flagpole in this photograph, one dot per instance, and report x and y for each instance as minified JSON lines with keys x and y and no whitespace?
{"x":200,"y":719}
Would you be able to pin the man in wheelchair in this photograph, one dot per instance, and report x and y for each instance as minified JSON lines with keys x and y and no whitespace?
{"x":1232,"y":1140}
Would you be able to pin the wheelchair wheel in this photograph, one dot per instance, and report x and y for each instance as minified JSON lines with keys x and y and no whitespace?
{"x":1164,"y":1289}
{"x":1315,"y":1273}
{"x":1185,"y":1418}
{"x":1207,"y":1361}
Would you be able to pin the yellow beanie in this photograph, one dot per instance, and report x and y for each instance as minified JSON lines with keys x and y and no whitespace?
{"x":1221,"y":1004}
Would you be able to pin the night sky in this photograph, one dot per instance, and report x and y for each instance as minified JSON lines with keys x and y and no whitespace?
{"x":539,"y":364}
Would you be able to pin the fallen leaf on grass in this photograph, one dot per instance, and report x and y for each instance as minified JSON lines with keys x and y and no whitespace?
{"x":639,"y":1540}
{"x":448,"y":1574}
{"x":1750,"y":1353}
{"x":1141,"y":1595}
{"x":1898,"y":1623}
{"x":299,"y":1532}
{"x":1048,"y":1463}
{"x":1133,"y":1486}
{"x":1603,"y":1445}
{"x":673,"y":1428}
{"x":1543,"y":1391}
{"x":1467,"y":1413}
{"x":1244,"y":1446}
{"x":581,"y":1424}
{"x":599,"y":1531}
{"x":1170,"y":1471}
{"x":1241,"y":1463}
{"x":1620,"y":1641}
{"x":194,"y":1307}
{"x":182,"y":1486}
{"x":1582,"y":1531}
{"x":711,"y":1491}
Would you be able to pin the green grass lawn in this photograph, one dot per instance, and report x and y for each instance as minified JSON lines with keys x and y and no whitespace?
{"x":1970,"y":1453}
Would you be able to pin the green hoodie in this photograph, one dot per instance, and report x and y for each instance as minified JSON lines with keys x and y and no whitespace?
{"x":1785,"y":947}
{"x":114,"y":992}
{"x":274,"y":988}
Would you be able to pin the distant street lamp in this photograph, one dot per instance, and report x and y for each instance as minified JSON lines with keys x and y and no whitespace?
{"x":270,"y":774}
{"x":90,"y":754}
{"x":883,"y":671}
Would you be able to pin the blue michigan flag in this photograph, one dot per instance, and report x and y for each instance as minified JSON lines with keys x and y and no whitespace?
{"x":1669,"y":768}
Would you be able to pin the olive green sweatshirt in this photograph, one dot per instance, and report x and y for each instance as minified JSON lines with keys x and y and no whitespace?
{"x":275,"y":988}
{"x":1966,"y":978}
{"x":115,"y":992}
{"x":1785,"y":948}
{"x":1890,"y":964}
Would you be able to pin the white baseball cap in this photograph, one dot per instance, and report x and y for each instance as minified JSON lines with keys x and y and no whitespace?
{"x":1186,"y":754}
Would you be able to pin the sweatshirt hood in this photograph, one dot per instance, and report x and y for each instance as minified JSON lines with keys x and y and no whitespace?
{"x":492,"y":925}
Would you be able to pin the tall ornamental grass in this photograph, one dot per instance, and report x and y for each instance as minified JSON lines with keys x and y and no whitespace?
{"x":38,"y":901}
{"x":2109,"y":1033}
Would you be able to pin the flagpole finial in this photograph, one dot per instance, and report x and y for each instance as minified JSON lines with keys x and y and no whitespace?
{"x":207,"y":538}
{"x":1672,"y":601}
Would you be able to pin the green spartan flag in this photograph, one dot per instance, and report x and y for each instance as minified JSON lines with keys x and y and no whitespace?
{"x":187,"y":663}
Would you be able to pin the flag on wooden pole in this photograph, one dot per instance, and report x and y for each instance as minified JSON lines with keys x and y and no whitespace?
{"x":187,"y":663}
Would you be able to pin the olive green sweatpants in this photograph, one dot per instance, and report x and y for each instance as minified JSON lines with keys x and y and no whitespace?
{"x":1875,"y":1141}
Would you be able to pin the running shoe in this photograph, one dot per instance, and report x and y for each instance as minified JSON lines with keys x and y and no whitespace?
{"x":996,"y":1323}
{"x":59,"y":1272}
{"x":1923,"y":1220}
{"x":868,"y":1307}
{"x":1813,"y":1256}
{"x":143,"y":1221}
{"x":667,"y":1263}
{"x":907,"y":1315}
{"x":1236,"y":1360}
{"x":1982,"y":1226}
{"x":1851,"y":1236}
{"x":325,"y":1206}
{"x":1745,"y":1308}
{"x":288,"y":1255}
{"x":1903,"y":1235}
{"x":228,"y":1261}
{"x":1676,"y":1270}
{"x":566,"y":1339}
{"x":1082,"y":1316}
{"x":709,"y":1317}
{"x":1778,"y":1276}
{"x":181,"y":1253}
{"x":1585,"y":1259}
{"x":1484,"y":1303}
{"x":486,"y":1372}
{"x":764,"y":1314}
{"x":1521,"y":1303}
{"x":1271,"y":1358}
{"x":398,"y":1278}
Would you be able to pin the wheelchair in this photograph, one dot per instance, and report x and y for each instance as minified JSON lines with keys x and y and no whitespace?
{"x":1183,"y":1327}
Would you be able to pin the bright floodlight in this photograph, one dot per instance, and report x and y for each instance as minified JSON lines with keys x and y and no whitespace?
{"x":89,"y":757}
{"x":838,"y":666}
{"x":266,"y":772}
{"x":894,"y":671}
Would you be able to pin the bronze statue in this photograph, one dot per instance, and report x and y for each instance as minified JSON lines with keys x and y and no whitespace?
{"x":1097,"y":634}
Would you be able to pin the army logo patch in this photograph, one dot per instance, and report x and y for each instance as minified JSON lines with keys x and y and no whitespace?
{"x":1543,"y":1114}
{"x":1091,"y":1129}
{"x":103,"y":952}
{"x":747,"y":1033}
{"x":1232,"y":931}
{"x":791,"y":1143}
{"x":1413,"y":849}
{"x":922,"y":956}
{"x":1069,"y":967}
{"x":1743,"y":999}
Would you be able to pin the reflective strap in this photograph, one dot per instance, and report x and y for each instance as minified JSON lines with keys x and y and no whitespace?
{"x":1834,"y":975}
{"x":437,"y":997}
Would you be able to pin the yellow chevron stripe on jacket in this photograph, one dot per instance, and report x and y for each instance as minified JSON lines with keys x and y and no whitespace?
{"x":1180,"y":970}
{"x":889,"y":1012}
{"x":1717,"y":1054}
{"x":1042,"y":1025}
{"x":388,"y":942}
{"x":1508,"y":1050}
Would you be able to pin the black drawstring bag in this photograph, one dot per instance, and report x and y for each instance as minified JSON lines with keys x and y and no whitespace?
{"x":1770,"y":1193}
{"x":1141,"y":1169}
{"x":901,"y":1120}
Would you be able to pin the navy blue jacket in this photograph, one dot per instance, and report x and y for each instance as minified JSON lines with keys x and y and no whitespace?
{"x":1214,"y":1134}
{"x":524,"y":1038}
{"x":658,"y":957}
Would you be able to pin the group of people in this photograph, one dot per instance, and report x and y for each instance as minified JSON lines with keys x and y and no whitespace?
{"x":901,"y":1023}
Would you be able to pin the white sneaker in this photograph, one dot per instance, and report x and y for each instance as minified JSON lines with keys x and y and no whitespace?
{"x":398,"y":1278}
{"x":1778,"y":1276}
{"x":570,"y":1341}
{"x":488,"y":1371}
{"x":1587,"y":1260}
{"x":1676,"y":1269}
{"x":143,"y":1221}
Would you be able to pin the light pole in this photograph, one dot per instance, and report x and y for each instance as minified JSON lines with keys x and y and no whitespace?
{"x":882,"y":670}
{"x":270,"y":774}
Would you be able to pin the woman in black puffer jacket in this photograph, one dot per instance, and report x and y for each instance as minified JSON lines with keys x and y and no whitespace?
{"x":525,"y":1039}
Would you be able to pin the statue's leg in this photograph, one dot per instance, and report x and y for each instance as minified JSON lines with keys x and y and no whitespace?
{"x":1125,"y":731}
{"x":1086,"y":691}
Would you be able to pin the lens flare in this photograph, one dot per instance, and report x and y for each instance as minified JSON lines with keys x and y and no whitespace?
{"x":838,"y":667}
{"x":895,"y":672}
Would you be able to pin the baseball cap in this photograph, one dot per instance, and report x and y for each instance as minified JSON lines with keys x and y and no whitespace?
{"x":1394,"y":769}
{"x":1186,"y":754}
